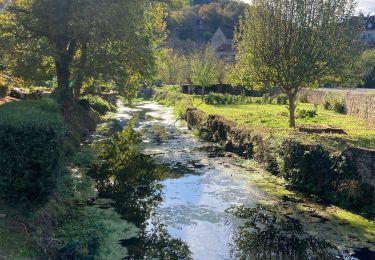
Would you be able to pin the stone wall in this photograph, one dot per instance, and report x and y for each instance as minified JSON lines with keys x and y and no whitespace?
{"x":364,"y":159}
{"x":360,"y":105}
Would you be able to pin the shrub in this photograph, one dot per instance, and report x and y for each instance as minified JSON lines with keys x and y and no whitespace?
{"x":339,"y":106}
{"x":327,"y":105}
{"x":4,"y":87}
{"x":31,"y":141}
{"x":308,"y":167}
{"x":228,"y":99}
{"x":306,"y":113}
{"x":335,"y":103}
{"x":282,"y":100}
{"x":97,"y":103}
{"x":266,"y":99}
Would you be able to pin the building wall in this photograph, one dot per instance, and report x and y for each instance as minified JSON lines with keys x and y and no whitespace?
{"x":368,"y":36}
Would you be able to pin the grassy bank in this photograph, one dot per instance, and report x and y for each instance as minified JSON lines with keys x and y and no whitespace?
{"x":272,"y":119}
{"x":41,"y":145}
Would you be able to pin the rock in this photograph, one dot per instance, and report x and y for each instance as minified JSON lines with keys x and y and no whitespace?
{"x":17,"y":93}
{"x":2,"y":216}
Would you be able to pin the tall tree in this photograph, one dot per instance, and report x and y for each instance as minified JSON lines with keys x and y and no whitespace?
{"x":294,"y":43}
{"x":204,"y":69}
{"x":81,"y":39}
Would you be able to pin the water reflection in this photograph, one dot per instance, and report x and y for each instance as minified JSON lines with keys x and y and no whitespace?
{"x":132,"y":181}
{"x":156,"y":244}
{"x":266,"y":234}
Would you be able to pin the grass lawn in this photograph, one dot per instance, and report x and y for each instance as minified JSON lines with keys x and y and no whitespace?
{"x":273,"y":119}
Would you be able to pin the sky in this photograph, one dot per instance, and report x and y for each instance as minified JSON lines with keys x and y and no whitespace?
{"x":366,"y":6}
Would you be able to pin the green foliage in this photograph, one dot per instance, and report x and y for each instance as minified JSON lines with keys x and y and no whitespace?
{"x":31,"y":137}
{"x":366,"y":68}
{"x":98,"y":104}
{"x":93,"y":234}
{"x":228,"y":99}
{"x":176,"y":99}
{"x":281,"y":43}
{"x":308,"y":167}
{"x":339,"y":106}
{"x":335,"y":103}
{"x":84,"y":158}
{"x":173,"y":67}
{"x":79,"y":44}
{"x":307,"y":113}
{"x":4,"y":87}
{"x":183,"y":23}
{"x":205,"y":68}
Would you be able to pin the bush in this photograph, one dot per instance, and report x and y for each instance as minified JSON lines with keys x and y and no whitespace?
{"x":97,"y":103}
{"x":31,"y":144}
{"x":282,"y":100}
{"x":327,"y":105}
{"x":228,"y":99}
{"x":339,"y":106}
{"x":334,"y":103}
{"x":306,"y":113}
{"x":4,"y":87}
{"x":306,"y":167}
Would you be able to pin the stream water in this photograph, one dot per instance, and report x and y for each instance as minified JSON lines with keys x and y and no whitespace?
{"x":210,"y":208}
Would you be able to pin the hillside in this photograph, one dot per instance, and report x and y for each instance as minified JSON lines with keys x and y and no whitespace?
{"x":195,"y":24}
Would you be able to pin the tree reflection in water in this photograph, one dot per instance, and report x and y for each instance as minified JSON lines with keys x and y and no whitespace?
{"x":266,"y":234}
{"x":132,"y":181}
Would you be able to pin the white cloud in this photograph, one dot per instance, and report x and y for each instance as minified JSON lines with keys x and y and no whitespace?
{"x":366,"y":6}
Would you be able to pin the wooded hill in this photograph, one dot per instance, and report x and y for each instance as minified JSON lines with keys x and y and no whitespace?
{"x":196,"y":23}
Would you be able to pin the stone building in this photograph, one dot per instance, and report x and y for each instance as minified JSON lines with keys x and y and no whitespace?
{"x":222,"y":45}
{"x":368,"y":35}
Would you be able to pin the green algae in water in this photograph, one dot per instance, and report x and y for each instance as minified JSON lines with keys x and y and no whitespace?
{"x":341,"y":223}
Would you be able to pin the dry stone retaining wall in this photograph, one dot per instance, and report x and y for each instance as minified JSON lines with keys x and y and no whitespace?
{"x":360,"y":105}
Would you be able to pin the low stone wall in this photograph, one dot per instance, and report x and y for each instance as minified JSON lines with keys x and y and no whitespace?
{"x":360,"y":105}
{"x":364,"y":159}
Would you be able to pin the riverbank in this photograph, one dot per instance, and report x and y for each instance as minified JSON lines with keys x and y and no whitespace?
{"x":304,"y":160}
{"x":65,"y":221}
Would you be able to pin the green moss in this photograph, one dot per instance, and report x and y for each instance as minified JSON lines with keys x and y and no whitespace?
{"x":269,"y":183}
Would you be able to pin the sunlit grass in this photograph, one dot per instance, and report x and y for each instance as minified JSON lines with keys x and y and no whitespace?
{"x":273,"y":119}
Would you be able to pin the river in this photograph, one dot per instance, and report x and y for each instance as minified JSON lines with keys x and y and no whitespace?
{"x":214,"y":207}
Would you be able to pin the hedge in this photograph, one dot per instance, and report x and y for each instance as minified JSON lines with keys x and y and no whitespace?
{"x":31,"y":145}
{"x":228,"y":99}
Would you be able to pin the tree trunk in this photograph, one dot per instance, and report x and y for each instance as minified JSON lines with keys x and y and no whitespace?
{"x":63,"y":91}
{"x":81,"y":72}
{"x":292,"y":109}
{"x":202,"y":92}
{"x":66,"y":52}
{"x":77,"y":88}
